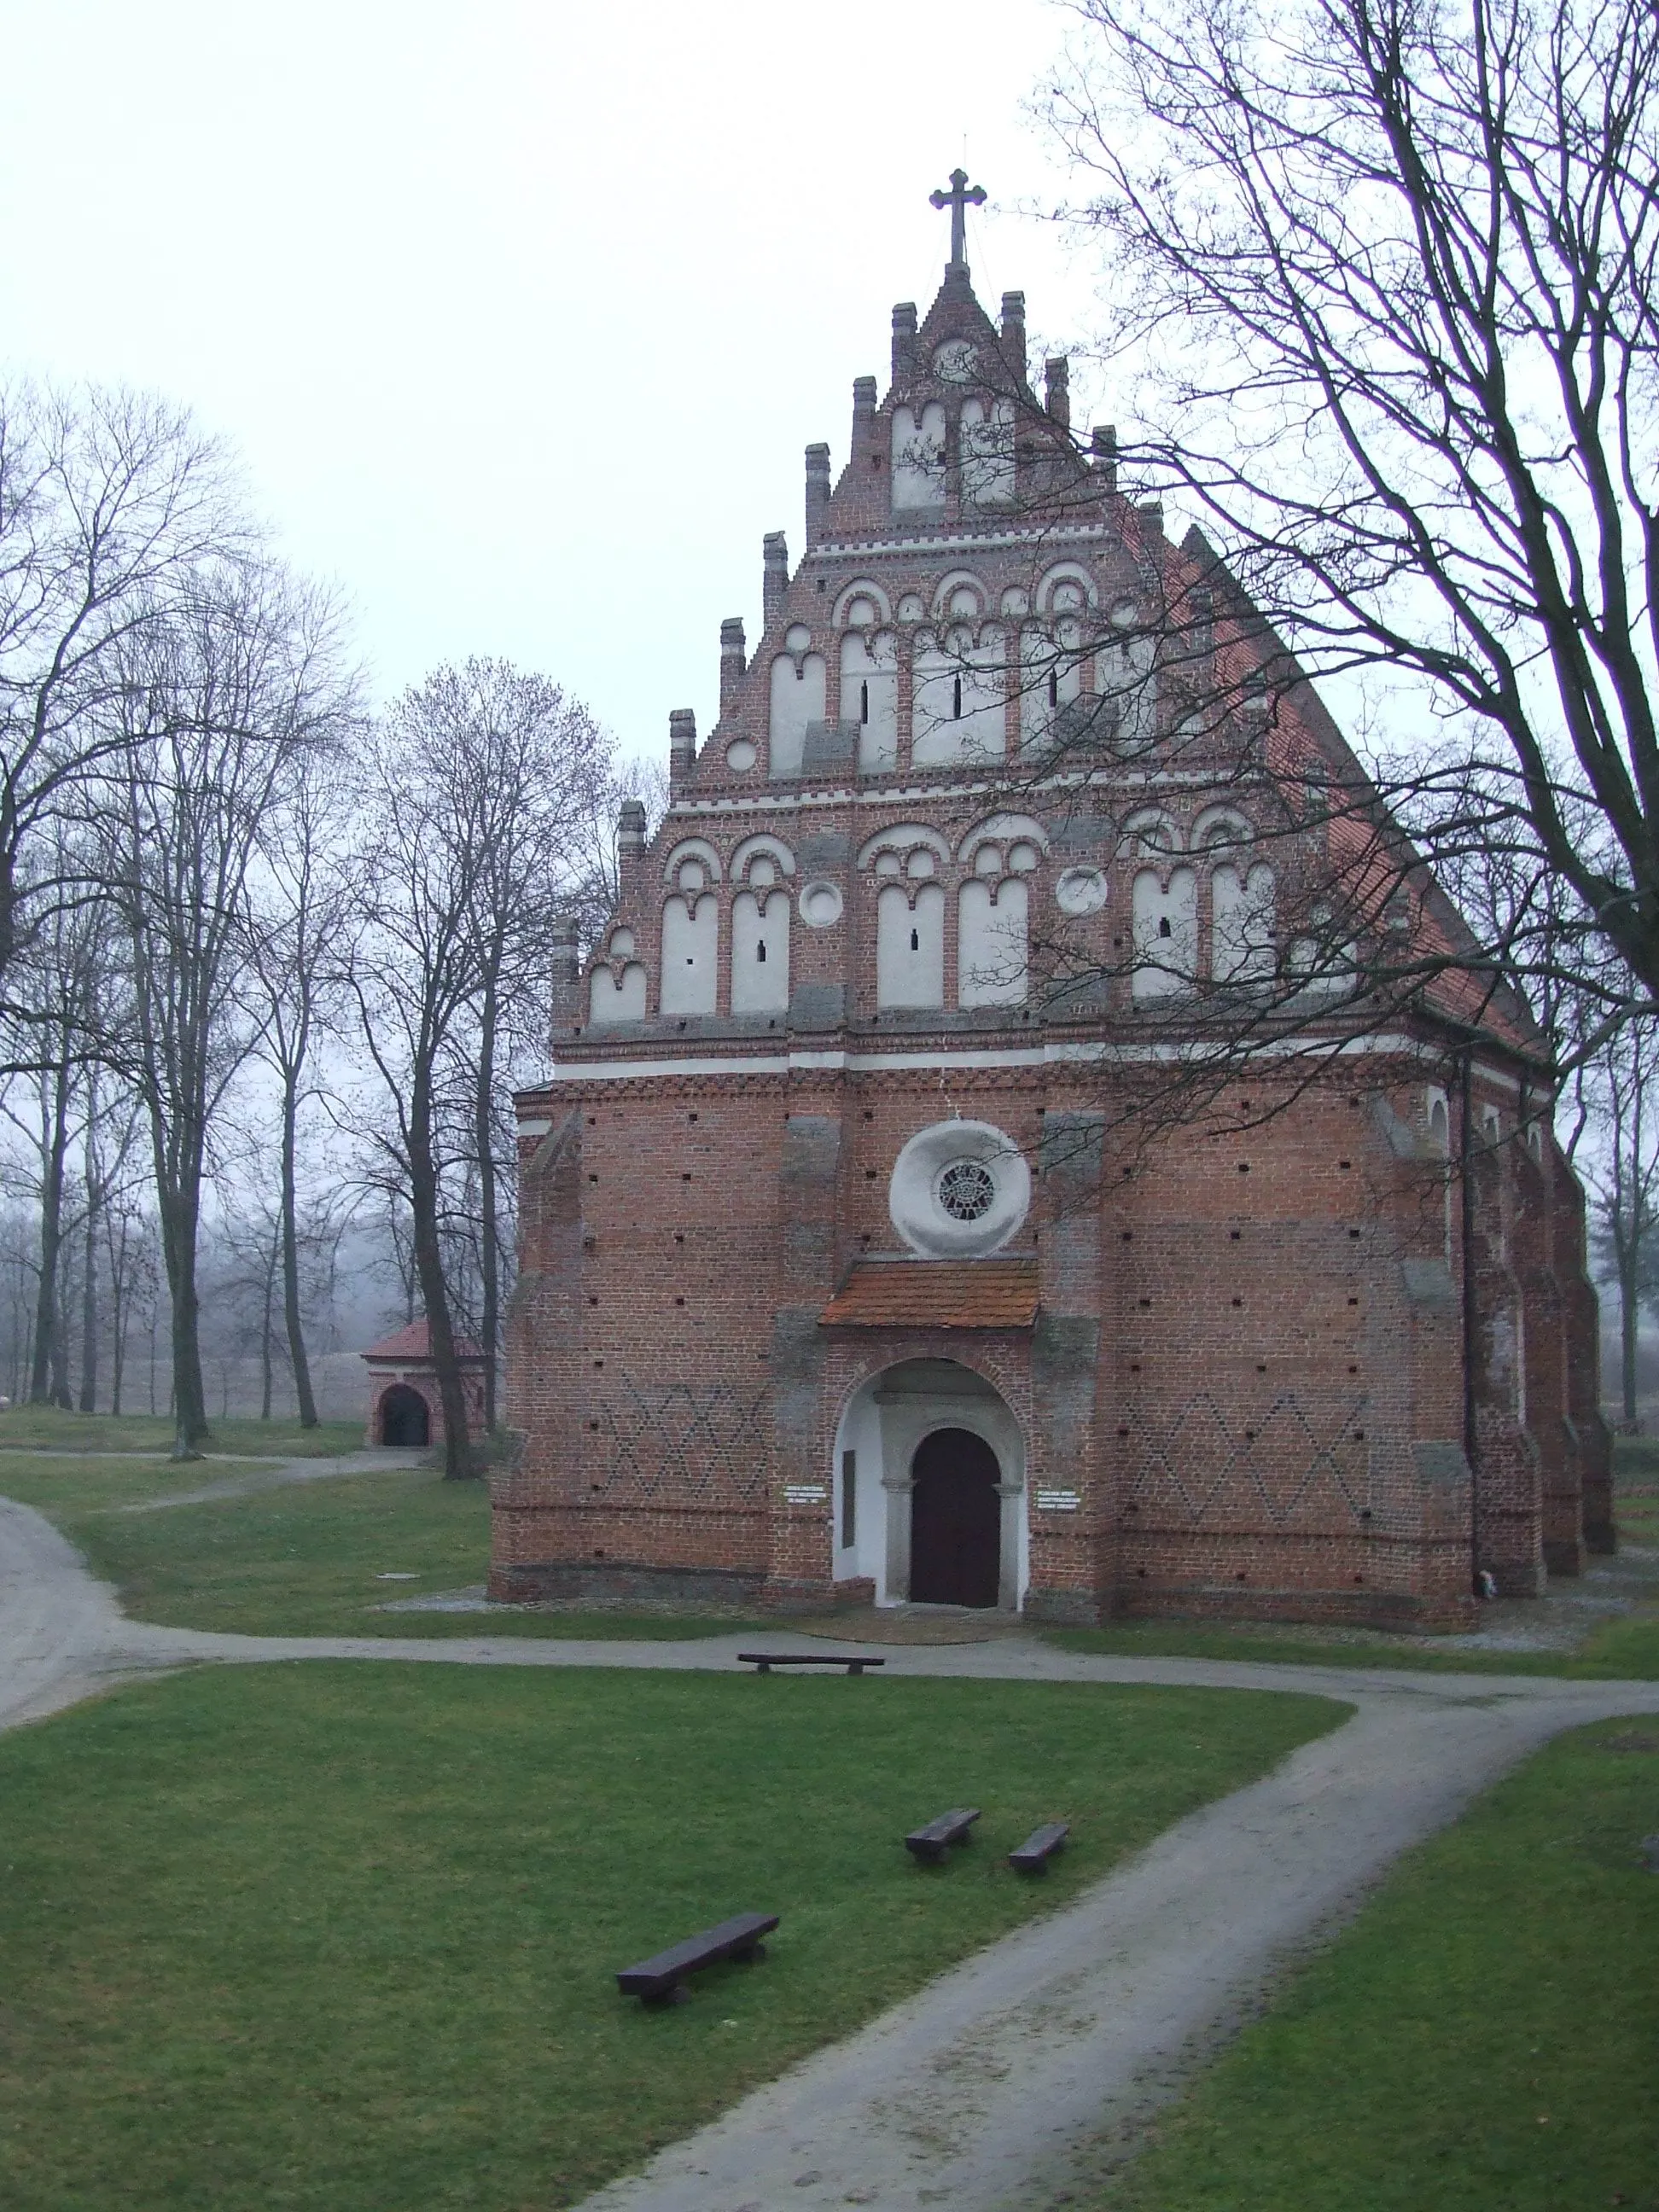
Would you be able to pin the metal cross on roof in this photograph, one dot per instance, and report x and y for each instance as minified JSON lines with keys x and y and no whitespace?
{"x":961,"y":196}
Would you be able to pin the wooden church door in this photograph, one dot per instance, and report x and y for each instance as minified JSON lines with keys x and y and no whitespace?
{"x":956,"y":1520}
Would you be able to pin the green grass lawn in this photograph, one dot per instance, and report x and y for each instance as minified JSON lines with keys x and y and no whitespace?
{"x":1622,"y":1650}
{"x":307,"y":1559}
{"x":1484,"y":2039}
{"x":340,"y":1938}
{"x":301,"y":1560}
{"x":50,"y":1426}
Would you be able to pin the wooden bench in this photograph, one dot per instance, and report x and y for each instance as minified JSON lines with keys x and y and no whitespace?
{"x":933,"y":1842}
{"x":766,"y":1661}
{"x":1039,"y":1847}
{"x":657,"y":1981}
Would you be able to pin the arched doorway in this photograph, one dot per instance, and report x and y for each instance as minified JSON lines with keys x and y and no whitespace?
{"x":404,"y":1416}
{"x":956,"y":1520}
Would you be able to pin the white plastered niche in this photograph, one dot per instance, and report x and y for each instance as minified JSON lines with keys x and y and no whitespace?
{"x":883,"y":1425}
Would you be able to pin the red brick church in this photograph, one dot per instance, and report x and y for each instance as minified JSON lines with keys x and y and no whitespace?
{"x":845,"y":1275}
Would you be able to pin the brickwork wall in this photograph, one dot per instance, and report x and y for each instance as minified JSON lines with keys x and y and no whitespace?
{"x":1245,"y":1390}
{"x":1246,"y":1363}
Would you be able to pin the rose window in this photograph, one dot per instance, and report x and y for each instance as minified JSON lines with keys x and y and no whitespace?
{"x":966,"y":1190}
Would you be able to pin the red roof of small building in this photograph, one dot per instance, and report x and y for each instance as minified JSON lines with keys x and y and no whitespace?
{"x":936,"y":1294}
{"x":415,"y":1343}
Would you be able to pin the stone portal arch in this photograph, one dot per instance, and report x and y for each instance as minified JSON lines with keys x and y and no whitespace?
{"x":404,"y":1416}
{"x":883,"y":1452}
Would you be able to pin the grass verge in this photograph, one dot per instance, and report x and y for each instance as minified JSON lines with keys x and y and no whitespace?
{"x":1621,"y":1650}
{"x":23,"y":1428}
{"x":301,"y":1558}
{"x":1484,"y":2039}
{"x":320,"y":1938}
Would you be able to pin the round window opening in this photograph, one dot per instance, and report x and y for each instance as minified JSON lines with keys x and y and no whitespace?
{"x":966,"y":1190}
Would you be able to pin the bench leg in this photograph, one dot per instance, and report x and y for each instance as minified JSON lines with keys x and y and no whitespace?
{"x":675,"y":1994}
{"x":748,"y":1955}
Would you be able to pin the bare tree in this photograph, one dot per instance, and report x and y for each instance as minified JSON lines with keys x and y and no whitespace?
{"x":302,"y":907}
{"x":1397,"y":265}
{"x":1617,"y":1097}
{"x":57,"y":988}
{"x":219,"y":702}
{"x":108,"y":500}
{"x":484,"y":790}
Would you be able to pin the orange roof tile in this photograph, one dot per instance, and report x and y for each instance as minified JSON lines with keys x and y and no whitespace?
{"x":936,"y":1294}
{"x":414,"y":1343}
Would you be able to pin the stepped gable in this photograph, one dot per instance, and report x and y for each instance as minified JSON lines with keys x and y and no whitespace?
{"x":967,"y":531}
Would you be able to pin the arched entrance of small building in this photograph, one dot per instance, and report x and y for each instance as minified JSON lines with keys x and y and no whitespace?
{"x":404,"y":1416}
{"x":956,"y":1520}
{"x":959,"y":1499}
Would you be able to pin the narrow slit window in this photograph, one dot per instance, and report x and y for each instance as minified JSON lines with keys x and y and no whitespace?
{"x":1163,"y":928}
{"x":1053,"y":687}
{"x":916,"y":941}
{"x":760,"y":949}
{"x":864,"y":702}
{"x":849,"y":1499}
{"x":955,"y":701}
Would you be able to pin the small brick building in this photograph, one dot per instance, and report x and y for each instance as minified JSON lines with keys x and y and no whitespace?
{"x":843,"y":1275}
{"x":405,"y":1404}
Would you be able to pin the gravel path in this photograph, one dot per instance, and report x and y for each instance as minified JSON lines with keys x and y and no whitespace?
{"x":1030,"y":2069}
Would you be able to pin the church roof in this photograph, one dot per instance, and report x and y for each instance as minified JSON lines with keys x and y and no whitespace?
{"x":415,"y":1343}
{"x":936,"y":1294}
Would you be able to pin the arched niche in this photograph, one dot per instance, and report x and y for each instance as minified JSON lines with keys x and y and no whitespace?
{"x":918,"y":462}
{"x":1005,"y":829}
{"x":797,"y":700}
{"x":992,"y":950}
{"x":960,"y":711}
{"x":1150,"y":831}
{"x":1066,"y":572}
{"x":616,"y":995}
{"x":884,"y":1423}
{"x":901,"y":839}
{"x":960,"y":596}
{"x":691,"y":955}
{"x":760,"y":952}
{"x":1219,"y":827}
{"x":910,"y":945}
{"x":847,"y":613}
{"x":1243,"y":940}
{"x":1050,"y":678}
{"x":1125,"y":677}
{"x":869,"y":696}
{"x":760,"y":847}
{"x":987,"y":452}
{"x":1165,"y":925}
{"x":692,"y":848}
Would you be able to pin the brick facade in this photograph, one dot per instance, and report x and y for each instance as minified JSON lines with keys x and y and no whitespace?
{"x":1288,"y":1361}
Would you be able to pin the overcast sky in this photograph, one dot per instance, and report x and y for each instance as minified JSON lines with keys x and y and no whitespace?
{"x":520,"y":315}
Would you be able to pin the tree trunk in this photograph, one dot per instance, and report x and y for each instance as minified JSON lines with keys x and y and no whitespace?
{"x":1628,"y":1310}
{"x":52,"y":1217}
{"x":178,"y":1211}
{"x":89,"y":1307}
{"x":296,"y":1339}
{"x":489,"y":1248}
{"x":118,"y":1358}
{"x":265,"y":1347}
{"x":429,"y":1262}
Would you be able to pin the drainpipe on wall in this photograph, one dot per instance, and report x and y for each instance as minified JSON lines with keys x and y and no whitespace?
{"x":1465,"y":1150}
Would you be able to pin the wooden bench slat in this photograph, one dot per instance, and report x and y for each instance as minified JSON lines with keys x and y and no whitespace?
{"x":1040,"y":1846}
{"x":655,"y":1977}
{"x":932,"y":1841}
{"x":854,"y":1662}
